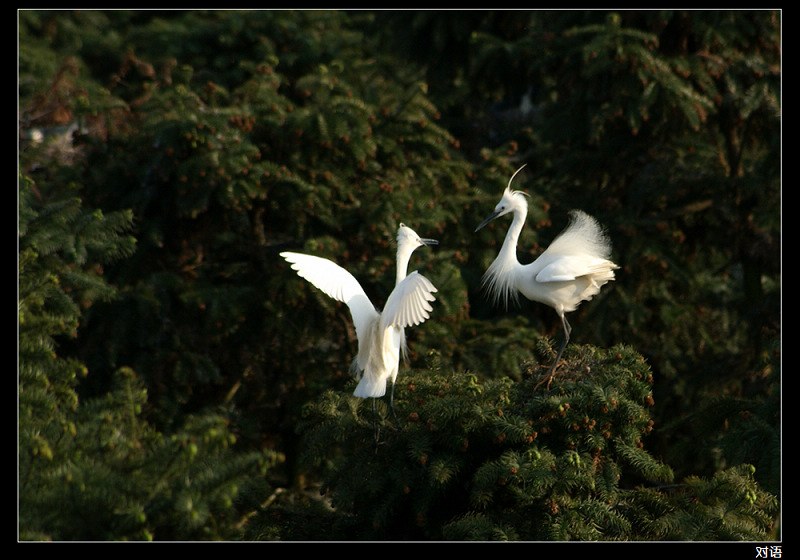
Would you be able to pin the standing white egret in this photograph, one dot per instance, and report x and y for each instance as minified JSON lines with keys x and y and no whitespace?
{"x":571,"y":270}
{"x":381,"y":335}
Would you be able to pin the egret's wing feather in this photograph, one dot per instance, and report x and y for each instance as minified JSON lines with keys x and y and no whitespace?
{"x":568,"y":268}
{"x":337,"y":283}
{"x":409,"y":302}
{"x":582,"y":249}
{"x":582,"y":236}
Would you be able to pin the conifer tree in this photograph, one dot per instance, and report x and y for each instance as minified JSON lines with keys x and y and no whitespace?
{"x":503,"y":460}
{"x":96,"y":469}
{"x":219,"y":139}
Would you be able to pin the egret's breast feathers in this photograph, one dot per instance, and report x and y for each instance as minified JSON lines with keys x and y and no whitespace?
{"x":499,"y":281}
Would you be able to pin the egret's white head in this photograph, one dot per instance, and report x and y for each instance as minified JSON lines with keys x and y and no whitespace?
{"x":512,"y":200}
{"x":407,"y":237}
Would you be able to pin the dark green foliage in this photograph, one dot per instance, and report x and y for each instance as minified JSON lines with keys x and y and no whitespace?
{"x":217,"y":139}
{"x":96,"y":469}
{"x":58,"y":275}
{"x":504,"y":460}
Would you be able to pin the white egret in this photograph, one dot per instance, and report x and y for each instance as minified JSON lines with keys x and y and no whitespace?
{"x":571,"y":270}
{"x":381,"y":335}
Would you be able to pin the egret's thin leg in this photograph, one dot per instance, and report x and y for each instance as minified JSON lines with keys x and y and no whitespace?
{"x":391,"y":405}
{"x":567,"y":331}
{"x":551,"y":373}
{"x":375,"y":422}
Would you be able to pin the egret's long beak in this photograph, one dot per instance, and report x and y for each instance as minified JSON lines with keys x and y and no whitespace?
{"x":428,"y":241}
{"x":488,"y":219}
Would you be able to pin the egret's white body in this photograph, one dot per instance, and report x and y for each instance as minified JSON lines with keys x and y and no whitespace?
{"x":381,"y":335}
{"x":571,"y":270}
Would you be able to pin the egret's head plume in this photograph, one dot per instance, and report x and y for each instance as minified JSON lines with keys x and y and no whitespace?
{"x":511,"y":200}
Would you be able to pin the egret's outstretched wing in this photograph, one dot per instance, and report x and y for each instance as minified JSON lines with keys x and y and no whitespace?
{"x":581,"y":249}
{"x":568,"y":268}
{"x":336,"y":282}
{"x":409,"y":302}
{"x":582,"y":236}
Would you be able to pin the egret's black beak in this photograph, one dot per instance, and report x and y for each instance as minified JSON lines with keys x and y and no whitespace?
{"x":488,"y":219}
{"x":428,"y":241}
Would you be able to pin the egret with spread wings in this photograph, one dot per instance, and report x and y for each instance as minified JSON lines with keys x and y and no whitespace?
{"x":381,"y":335}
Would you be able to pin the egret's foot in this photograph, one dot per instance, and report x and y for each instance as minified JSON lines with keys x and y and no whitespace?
{"x":551,"y":374}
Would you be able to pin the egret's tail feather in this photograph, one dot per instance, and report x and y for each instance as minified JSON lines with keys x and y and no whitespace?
{"x":370,"y":386}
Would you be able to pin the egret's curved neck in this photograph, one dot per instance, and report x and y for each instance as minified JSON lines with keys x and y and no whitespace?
{"x":501,"y":277}
{"x":509,"y":249}
{"x":403,"y":256}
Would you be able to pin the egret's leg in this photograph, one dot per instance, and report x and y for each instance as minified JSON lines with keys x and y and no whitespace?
{"x":375,"y":422}
{"x":567,"y":331}
{"x":391,"y":405}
